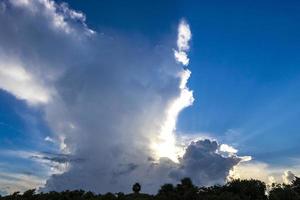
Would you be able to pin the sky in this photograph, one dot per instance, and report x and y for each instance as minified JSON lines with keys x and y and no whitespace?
{"x":103,"y":94}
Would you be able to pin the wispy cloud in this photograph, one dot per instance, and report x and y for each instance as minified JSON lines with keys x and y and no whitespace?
{"x":12,"y":182}
{"x":50,"y":163}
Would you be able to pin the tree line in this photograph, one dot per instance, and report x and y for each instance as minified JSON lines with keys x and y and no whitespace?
{"x":185,"y":190}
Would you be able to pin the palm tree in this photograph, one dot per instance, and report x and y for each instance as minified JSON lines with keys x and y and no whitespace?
{"x":136,"y":188}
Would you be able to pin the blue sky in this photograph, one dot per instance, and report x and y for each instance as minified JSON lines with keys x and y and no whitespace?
{"x":245,"y":76}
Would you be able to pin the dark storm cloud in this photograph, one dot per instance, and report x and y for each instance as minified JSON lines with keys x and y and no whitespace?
{"x":204,"y":164}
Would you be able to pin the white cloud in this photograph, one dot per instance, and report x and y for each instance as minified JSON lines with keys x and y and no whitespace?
{"x":49,"y":139}
{"x":183,"y":38}
{"x":250,"y":170}
{"x":264,"y":172}
{"x":181,"y":57}
{"x":56,"y":14}
{"x":166,"y":146}
{"x":16,"y":80}
{"x":228,"y":149}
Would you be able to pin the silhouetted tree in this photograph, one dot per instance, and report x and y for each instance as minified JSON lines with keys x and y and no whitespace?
{"x":186,"y":189}
{"x":136,"y":188}
{"x":296,"y":185}
{"x":283,"y":192}
{"x":108,"y":196}
{"x":250,"y":189}
{"x":88,"y":195}
{"x":29,"y":194}
{"x":167,"y":191}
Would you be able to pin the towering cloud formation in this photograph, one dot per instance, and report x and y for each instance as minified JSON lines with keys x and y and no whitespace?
{"x":166,"y":146}
{"x":111,"y":104}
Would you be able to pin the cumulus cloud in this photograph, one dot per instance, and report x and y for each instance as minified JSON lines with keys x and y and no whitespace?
{"x":183,"y":38}
{"x":202,"y":162}
{"x":264,"y":172}
{"x":255,"y":170}
{"x":111,"y":102}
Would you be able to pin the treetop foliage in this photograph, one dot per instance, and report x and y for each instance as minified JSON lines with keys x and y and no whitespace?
{"x":185,"y":190}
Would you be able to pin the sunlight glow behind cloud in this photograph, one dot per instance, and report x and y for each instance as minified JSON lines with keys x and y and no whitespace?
{"x":167,"y":145}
